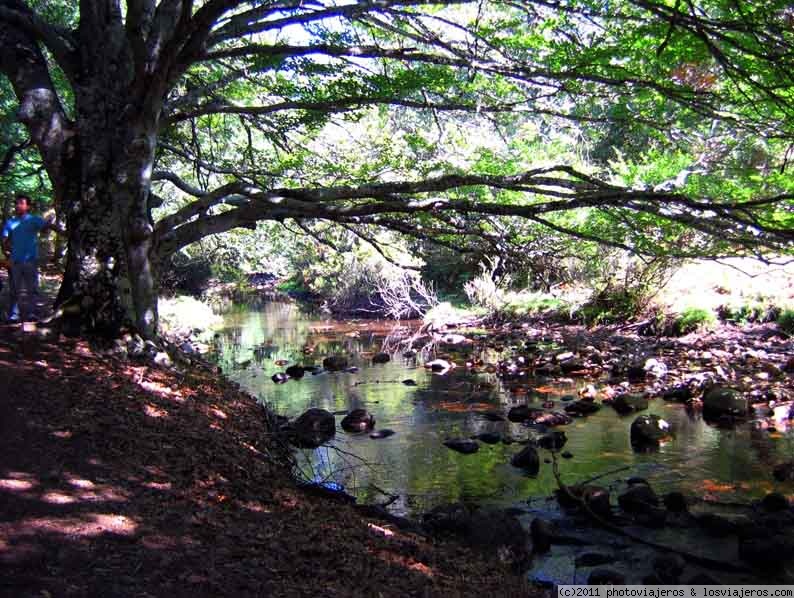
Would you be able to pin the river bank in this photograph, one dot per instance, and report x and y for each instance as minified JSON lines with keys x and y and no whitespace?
{"x":123,"y":479}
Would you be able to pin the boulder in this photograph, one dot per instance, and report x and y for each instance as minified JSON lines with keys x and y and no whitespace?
{"x":522,"y":413}
{"x":678,"y":394}
{"x":527,"y":459}
{"x":462,"y":445}
{"x":553,"y":441}
{"x":638,"y":498}
{"x":313,"y":428}
{"x":490,"y":530}
{"x":335,"y":363}
{"x":489,"y":437}
{"x":775,"y":502}
{"x":553,"y":418}
{"x":450,"y":518}
{"x":654,"y":367}
{"x":295,"y":371}
{"x":279,"y":378}
{"x":383,"y":433}
{"x":439,"y":365}
{"x":358,"y":420}
{"x":648,"y":430}
{"x":582,"y":408}
{"x":381,"y":358}
{"x":629,"y":403}
{"x":595,"y":497}
{"x":497,"y":531}
{"x":543,"y":535}
{"x":675,"y":502}
{"x":721,"y":400}
{"x":635,"y":372}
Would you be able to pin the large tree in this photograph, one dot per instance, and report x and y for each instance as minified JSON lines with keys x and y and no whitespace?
{"x":221,"y":100}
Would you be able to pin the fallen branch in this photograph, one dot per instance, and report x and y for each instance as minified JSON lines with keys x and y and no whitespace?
{"x":688,"y":556}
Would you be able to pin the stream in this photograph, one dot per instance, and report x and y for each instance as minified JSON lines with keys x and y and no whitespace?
{"x":702,"y":461}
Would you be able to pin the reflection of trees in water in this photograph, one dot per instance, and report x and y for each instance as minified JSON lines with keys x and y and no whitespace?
{"x":416,"y":465}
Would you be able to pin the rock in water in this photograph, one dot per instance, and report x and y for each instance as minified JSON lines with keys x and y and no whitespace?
{"x":381,"y":358}
{"x":628,"y":403}
{"x":527,"y":459}
{"x":462,"y":445}
{"x":638,"y":499}
{"x":384,"y":433}
{"x":553,"y":441}
{"x":489,"y":437}
{"x":279,"y":378}
{"x":313,"y":428}
{"x":358,"y":420}
{"x":648,"y":430}
{"x":295,"y":371}
{"x":722,"y":400}
{"x":335,"y":363}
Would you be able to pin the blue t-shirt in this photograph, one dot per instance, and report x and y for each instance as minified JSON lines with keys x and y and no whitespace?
{"x":23,"y":231}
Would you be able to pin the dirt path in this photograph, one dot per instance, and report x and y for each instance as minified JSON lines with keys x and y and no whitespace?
{"x":118,"y":479}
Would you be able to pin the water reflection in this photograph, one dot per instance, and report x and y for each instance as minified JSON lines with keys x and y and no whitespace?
{"x":414,"y":464}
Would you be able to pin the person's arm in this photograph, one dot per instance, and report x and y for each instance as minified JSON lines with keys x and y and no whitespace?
{"x":6,"y":240}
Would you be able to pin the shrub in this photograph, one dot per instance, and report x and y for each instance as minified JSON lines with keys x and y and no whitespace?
{"x":692,"y":319}
{"x":751,"y":312}
{"x":785,"y":321}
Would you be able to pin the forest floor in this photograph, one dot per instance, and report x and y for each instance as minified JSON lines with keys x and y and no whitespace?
{"x":121,"y":479}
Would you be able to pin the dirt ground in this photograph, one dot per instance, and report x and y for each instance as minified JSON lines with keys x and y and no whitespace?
{"x":120,"y":479}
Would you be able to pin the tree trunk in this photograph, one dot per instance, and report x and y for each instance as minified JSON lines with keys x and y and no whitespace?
{"x":109,"y":270}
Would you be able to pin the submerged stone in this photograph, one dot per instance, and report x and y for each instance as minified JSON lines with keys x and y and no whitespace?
{"x":462,"y":445}
{"x":381,"y":358}
{"x":527,"y":459}
{"x":313,"y":428}
{"x":358,"y":420}
{"x":722,"y":400}
{"x":648,"y":430}
{"x":334,"y":363}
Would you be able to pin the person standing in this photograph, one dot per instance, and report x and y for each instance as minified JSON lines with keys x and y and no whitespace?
{"x":20,"y":243}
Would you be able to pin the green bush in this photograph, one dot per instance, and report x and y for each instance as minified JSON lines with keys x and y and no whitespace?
{"x":751,"y":312}
{"x":786,"y":321}
{"x":694,"y":318}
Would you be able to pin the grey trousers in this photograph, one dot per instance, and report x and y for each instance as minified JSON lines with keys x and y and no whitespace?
{"x":22,"y":274}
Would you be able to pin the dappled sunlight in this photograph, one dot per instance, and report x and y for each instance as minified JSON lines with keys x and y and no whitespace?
{"x":86,"y":525}
{"x":152,"y":411}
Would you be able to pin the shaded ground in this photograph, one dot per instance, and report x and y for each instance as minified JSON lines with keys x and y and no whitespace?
{"x":119,"y":479}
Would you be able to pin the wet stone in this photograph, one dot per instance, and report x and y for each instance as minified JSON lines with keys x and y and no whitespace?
{"x":553,"y":441}
{"x":384,"y":433}
{"x":465,"y":446}
{"x":639,"y":498}
{"x":334,"y":363}
{"x":358,"y":420}
{"x":489,"y":437}
{"x":381,"y":358}
{"x":527,"y":459}
{"x":774,"y":502}
{"x":675,"y":502}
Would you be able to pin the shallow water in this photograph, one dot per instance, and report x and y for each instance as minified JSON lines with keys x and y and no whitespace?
{"x":701,"y":461}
